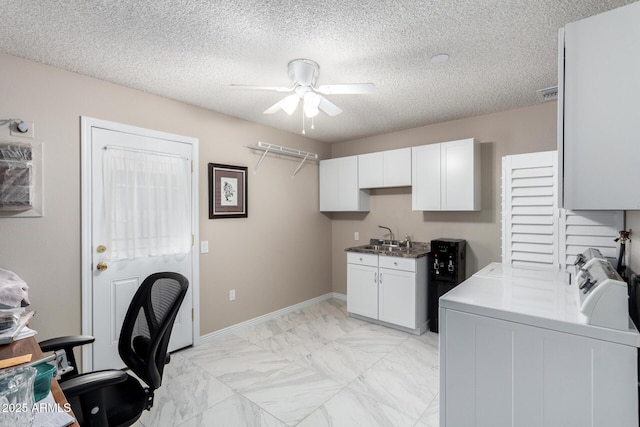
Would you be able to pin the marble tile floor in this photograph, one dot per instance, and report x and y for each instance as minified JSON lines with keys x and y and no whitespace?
{"x":314,"y":367}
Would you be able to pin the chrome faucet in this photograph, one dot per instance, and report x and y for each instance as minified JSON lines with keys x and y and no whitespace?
{"x":390,"y":232}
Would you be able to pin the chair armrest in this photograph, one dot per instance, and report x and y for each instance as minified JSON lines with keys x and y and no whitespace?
{"x":54,"y":344}
{"x":91,"y":381}
{"x":67,"y":344}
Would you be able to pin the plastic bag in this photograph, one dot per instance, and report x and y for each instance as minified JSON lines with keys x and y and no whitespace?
{"x":16,"y":177}
{"x":14,"y":292}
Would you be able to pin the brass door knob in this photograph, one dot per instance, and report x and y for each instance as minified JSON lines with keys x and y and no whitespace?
{"x":102,"y":266}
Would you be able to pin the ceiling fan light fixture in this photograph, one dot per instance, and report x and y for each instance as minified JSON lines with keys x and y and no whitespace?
{"x":290,"y":103}
{"x":303,"y":73}
{"x":311,"y":102}
{"x":310,"y":111}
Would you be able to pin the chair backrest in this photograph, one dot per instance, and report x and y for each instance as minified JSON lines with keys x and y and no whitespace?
{"x":148,"y":323}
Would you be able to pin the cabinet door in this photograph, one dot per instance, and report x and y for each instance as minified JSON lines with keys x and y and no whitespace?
{"x":350,"y":197}
{"x":425,"y":177}
{"x":601,"y":120}
{"x":339,"y":186}
{"x":362,"y":290}
{"x":370,"y":170}
{"x":397,"y":297}
{"x":397,"y":167}
{"x":460,"y":175}
{"x":328,"y":185}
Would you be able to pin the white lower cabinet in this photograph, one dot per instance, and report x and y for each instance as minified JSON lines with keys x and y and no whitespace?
{"x":397,"y":295}
{"x":362,"y":285}
{"x":391,"y":290}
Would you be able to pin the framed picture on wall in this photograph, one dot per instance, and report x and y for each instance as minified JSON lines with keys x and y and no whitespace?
{"x":227,"y":191}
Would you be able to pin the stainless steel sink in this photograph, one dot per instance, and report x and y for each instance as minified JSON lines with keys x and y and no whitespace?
{"x":383,"y":248}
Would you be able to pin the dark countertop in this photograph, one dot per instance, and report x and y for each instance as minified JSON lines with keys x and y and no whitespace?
{"x":417,"y":250}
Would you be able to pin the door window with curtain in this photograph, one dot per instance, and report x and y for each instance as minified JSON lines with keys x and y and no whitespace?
{"x":147,"y":199}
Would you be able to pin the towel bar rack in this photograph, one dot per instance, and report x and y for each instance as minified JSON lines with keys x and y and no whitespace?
{"x":278,"y":149}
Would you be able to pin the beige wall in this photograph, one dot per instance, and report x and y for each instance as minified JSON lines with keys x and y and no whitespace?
{"x":517,"y":131}
{"x":267,"y":258}
{"x":286,"y":251}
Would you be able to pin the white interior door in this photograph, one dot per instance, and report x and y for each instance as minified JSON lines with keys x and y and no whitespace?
{"x":114,"y":278}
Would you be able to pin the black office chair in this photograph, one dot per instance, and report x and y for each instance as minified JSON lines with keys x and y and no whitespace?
{"x":112,"y":397}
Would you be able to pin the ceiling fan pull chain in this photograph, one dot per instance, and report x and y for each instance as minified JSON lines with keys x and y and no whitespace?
{"x":303,"y":131}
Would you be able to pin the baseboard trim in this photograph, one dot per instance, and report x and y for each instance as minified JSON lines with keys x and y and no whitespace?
{"x":266,"y":317}
{"x":339,"y":296}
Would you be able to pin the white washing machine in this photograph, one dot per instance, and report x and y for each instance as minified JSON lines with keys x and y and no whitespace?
{"x":526,"y":347}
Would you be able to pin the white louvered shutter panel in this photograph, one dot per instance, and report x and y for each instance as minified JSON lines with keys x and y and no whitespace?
{"x":530,"y":210}
{"x":535,"y":232}
{"x":580,"y":230}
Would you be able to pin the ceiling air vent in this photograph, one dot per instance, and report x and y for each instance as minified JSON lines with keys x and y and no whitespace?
{"x":548,"y":94}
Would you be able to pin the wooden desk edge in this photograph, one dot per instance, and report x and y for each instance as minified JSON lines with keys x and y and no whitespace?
{"x":30,"y":345}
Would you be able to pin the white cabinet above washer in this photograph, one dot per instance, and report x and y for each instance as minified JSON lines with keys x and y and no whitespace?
{"x":391,"y":168}
{"x":599,"y":136}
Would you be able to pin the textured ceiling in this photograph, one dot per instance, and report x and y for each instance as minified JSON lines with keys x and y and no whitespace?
{"x":501,"y":52}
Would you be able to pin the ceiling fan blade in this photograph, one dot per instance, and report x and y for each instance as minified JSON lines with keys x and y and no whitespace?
{"x":273,"y":109}
{"x":346,"y":89}
{"x":273,"y":88}
{"x":288,"y":105}
{"x":329,"y":107}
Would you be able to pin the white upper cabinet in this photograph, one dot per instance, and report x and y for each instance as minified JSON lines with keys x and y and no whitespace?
{"x":370,"y":168}
{"x":599,"y":82}
{"x":339,"y":190}
{"x":390,"y":168}
{"x":425,"y":169}
{"x":446,"y":176}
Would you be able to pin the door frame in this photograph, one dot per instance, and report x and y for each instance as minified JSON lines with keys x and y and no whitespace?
{"x":86,"y":123}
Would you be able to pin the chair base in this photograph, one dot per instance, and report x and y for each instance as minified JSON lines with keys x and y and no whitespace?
{"x":123,"y":403}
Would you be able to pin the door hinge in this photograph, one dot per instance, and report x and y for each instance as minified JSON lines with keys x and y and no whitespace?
{"x":193,"y":240}
{"x":191,"y":165}
{"x":193,"y":314}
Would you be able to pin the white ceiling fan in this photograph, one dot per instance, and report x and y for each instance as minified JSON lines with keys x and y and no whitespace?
{"x":304,"y":74}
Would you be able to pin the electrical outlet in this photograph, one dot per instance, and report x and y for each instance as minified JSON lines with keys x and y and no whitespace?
{"x":204,"y":247}
{"x":13,"y":130}
{"x":356,"y":236}
{"x":232,"y":295}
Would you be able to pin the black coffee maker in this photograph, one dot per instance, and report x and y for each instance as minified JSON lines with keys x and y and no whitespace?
{"x":446,"y":271}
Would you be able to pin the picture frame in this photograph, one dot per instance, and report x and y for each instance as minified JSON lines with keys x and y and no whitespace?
{"x":228,"y":188}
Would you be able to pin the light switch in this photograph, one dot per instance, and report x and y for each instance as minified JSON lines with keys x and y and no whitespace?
{"x":204,"y":247}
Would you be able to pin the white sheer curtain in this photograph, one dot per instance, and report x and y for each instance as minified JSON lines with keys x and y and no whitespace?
{"x":147,"y":200}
